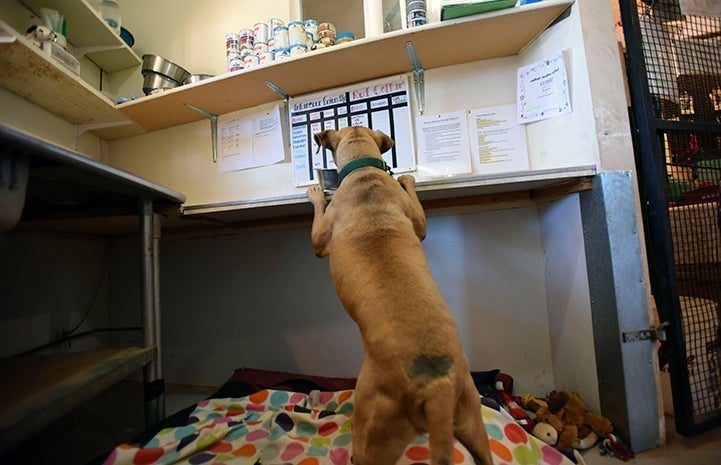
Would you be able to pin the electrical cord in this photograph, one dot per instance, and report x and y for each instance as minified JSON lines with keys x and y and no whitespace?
{"x":68,"y":338}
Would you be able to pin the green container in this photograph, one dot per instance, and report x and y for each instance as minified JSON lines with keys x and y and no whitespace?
{"x":474,"y":8}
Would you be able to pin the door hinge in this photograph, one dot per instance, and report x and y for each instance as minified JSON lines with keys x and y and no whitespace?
{"x":653,"y":334}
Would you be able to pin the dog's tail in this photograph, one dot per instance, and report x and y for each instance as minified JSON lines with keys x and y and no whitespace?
{"x":439,"y":417}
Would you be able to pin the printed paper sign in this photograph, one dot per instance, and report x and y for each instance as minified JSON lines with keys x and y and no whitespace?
{"x":543,"y":90}
{"x":249,"y":141}
{"x":498,"y":142}
{"x":443,"y":144}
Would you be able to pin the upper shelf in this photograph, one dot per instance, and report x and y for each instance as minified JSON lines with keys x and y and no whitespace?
{"x":491,"y":35}
{"x":87,"y":31}
{"x":30,"y":73}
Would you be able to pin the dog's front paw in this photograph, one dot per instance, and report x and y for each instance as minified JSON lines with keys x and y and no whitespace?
{"x":315,"y":194}
{"x":407,"y":181}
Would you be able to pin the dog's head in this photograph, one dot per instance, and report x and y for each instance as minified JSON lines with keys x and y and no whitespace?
{"x":353,"y":142}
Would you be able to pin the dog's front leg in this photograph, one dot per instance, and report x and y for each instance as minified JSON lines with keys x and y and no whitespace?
{"x":322,"y":228}
{"x":416,"y":213}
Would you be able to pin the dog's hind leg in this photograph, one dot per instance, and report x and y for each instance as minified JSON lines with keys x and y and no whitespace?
{"x":379,"y":438}
{"x":469,"y":427}
{"x":439,"y":416}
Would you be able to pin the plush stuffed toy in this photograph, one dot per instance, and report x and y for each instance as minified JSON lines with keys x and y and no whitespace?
{"x":564,"y":421}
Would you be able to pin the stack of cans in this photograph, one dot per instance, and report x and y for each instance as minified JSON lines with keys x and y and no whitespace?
{"x":416,"y":13}
{"x":274,"y":40}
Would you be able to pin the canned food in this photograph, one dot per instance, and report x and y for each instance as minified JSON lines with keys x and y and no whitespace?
{"x":260,"y":47}
{"x":344,"y":37}
{"x":417,"y":22}
{"x":327,"y":41}
{"x":251,"y":60}
{"x":311,"y":26}
{"x":265,"y":57}
{"x":296,"y":33}
{"x":246,"y":37}
{"x":281,"y":54}
{"x":327,"y":34}
{"x":273,"y":23}
{"x":280,"y":35}
{"x":260,"y":33}
{"x":298,"y":49}
{"x":326,"y":27}
{"x":234,"y":61}
{"x":232,"y":43}
{"x":309,"y":40}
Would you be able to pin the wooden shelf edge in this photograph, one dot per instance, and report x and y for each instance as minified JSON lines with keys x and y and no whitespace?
{"x":66,"y":380}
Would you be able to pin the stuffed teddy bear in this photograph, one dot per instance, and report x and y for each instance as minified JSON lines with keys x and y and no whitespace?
{"x":563,"y":420}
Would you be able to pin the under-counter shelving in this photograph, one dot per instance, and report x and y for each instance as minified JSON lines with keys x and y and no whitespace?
{"x":90,"y":35}
{"x":63,"y":185}
{"x":491,"y":35}
{"x":38,"y":389}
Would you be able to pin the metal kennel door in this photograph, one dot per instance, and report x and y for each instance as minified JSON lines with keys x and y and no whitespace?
{"x":674,"y":72}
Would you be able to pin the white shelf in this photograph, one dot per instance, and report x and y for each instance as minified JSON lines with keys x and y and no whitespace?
{"x":32,"y":75}
{"x":490,"y":35}
{"x":87,"y":30}
{"x":487,"y":192}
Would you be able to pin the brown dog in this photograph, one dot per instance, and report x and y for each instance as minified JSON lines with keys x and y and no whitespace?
{"x":415,"y":376}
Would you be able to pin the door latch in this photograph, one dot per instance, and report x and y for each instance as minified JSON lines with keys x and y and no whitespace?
{"x":651,"y":334}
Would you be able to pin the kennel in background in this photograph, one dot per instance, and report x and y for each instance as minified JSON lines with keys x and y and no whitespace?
{"x":674,"y":70}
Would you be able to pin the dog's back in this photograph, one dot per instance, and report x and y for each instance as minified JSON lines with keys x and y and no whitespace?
{"x":415,"y":376}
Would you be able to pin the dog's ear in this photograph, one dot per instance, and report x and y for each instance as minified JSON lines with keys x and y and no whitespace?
{"x":327,"y":139}
{"x":384,"y":142}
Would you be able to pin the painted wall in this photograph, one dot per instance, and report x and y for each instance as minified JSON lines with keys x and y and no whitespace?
{"x":502,"y":273}
{"x":263,"y":299}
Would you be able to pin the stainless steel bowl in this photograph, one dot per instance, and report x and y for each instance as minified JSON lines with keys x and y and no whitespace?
{"x":155,"y":81}
{"x":159,"y":65}
{"x":328,"y":179}
{"x":196,"y":78}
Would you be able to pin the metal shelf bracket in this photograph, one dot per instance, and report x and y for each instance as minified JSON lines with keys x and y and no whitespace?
{"x":418,"y":77}
{"x":213,"y":128}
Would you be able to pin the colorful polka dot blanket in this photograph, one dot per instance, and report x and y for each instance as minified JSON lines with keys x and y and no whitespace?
{"x":274,"y":427}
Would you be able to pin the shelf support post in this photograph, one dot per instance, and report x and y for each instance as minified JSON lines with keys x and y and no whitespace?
{"x":154,"y":384}
{"x":213,"y":128}
{"x":418,"y":77}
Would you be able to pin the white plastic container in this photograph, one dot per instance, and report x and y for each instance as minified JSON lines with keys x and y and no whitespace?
{"x":110,"y":11}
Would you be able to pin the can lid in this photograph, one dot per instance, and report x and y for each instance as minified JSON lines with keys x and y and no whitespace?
{"x":345,"y":34}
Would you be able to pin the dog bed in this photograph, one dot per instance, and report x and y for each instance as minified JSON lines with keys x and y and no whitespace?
{"x":298,"y":422}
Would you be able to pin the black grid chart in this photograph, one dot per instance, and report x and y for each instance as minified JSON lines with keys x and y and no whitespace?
{"x":381,"y":105}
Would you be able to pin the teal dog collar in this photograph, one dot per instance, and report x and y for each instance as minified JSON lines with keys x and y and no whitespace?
{"x":361,"y":163}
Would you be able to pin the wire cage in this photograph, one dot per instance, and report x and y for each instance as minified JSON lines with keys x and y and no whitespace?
{"x":682,"y":59}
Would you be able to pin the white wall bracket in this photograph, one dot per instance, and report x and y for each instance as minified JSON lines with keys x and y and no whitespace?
{"x":82,"y":51}
{"x":213,"y":128}
{"x":418,"y":77}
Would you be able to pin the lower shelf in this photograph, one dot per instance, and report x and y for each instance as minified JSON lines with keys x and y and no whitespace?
{"x":39,"y":389}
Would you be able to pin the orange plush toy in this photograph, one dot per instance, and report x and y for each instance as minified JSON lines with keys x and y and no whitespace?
{"x":563,"y":420}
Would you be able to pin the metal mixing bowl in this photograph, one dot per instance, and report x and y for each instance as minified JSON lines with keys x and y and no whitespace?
{"x":153,"y":81}
{"x":196,"y":78}
{"x":328,"y":179}
{"x":159,"y":65}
